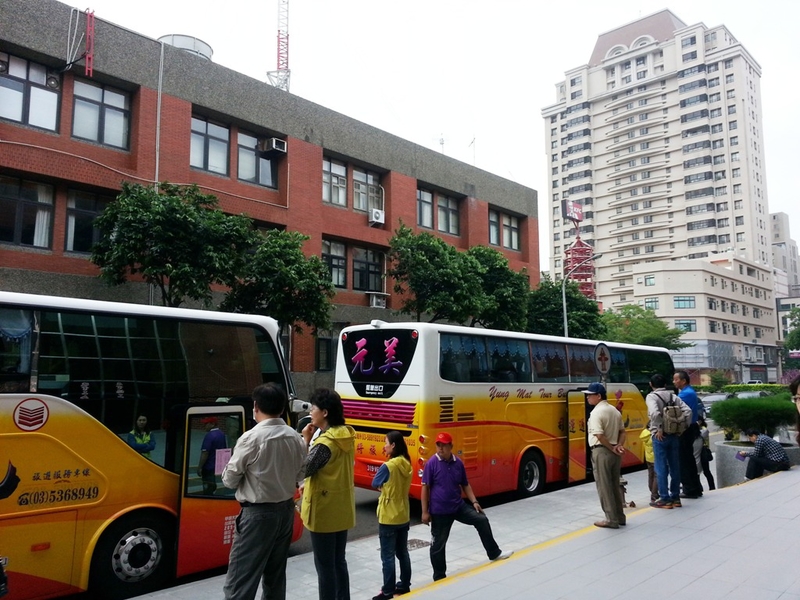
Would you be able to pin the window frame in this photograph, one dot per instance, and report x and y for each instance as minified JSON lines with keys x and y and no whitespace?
{"x":209,"y":140}
{"x":103,"y":109}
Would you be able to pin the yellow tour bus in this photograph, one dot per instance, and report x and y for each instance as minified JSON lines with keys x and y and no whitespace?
{"x":115,"y":423}
{"x":513,"y":402}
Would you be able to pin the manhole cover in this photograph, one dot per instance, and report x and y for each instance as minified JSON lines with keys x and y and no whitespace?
{"x":416,"y":544}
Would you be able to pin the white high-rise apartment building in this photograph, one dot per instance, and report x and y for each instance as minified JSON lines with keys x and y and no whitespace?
{"x":659,"y":138}
{"x":784,"y":254}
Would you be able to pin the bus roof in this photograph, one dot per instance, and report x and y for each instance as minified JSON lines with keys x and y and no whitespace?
{"x":378,"y":324}
{"x":100,"y":306}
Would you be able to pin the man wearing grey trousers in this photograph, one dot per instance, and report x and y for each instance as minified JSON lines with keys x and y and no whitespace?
{"x":607,"y":441}
{"x":266,"y":465}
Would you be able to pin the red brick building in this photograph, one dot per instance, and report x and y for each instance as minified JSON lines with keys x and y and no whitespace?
{"x":153,"y":112}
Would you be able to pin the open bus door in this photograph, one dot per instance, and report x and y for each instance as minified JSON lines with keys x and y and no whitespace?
{"x":208,"y":509}
{"x":576,"y":436}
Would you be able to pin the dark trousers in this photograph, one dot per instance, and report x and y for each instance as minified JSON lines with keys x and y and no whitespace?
{"x":394,"y":543}
{"x":690,"y":478}
{"x":707,"y":468}
{"x":758,"y":464}
{"x":652,"y":481}
{"x":259,"y":552}
{"x":440,"y":532}
{"x":331,"y":564}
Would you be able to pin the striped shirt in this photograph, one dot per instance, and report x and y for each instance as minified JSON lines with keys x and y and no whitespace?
{"x":768,"y":448}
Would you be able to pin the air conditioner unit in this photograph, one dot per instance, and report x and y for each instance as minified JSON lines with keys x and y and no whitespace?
{"x":376,"y":216}
{"x":272,"y":145}
{"x":377,"y":301}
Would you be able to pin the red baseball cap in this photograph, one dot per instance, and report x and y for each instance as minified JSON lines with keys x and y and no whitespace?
{"x":444,"y":438}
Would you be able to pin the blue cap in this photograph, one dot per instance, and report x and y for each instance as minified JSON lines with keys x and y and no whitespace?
{"x":595,"y":388}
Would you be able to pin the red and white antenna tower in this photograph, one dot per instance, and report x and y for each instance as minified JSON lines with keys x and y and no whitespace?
{"x":578,"y":263}
{"x":280,"y":77}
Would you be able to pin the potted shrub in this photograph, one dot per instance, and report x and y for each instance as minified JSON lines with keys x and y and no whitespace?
{"x":739,"y":414}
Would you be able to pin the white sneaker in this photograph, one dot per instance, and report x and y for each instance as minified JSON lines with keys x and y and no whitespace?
{"x":503,"y":555}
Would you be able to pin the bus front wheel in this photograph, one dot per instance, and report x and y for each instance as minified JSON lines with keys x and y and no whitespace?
{"x":531,"y":473}
{"x":133,"y":556}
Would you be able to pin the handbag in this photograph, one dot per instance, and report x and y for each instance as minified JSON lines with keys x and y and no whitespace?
{"x":706,"y":454}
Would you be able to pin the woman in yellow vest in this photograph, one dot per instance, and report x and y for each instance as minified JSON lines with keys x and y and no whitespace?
{"x":393,"y":479}
{"x":140,"y":439}
{"x":329,"y":505}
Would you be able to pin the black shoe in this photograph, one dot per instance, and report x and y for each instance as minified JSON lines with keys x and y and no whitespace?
{"x":383,"y":596}
{"x":399,"y":590}
{"x":690,"y":496}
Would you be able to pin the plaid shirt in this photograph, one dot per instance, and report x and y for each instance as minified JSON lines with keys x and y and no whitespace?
{"x":768,"y":448}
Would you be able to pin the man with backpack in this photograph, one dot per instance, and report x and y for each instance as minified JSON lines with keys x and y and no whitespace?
{"x":669,"y":418}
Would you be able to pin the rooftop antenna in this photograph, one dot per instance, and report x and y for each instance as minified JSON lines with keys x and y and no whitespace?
{"x":280,"y":77}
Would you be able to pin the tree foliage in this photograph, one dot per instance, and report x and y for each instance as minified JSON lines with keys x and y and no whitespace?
{"x":633,"y":324}
{"x":792,"y":340}
{"x":546,"y":311}
{"x":433,"y":277}
{"x":179,"y":240}
{"x":718,"y":380}
{"x":505,"y":291}
{"x":280,"y":281}
{"x":175,"y":238}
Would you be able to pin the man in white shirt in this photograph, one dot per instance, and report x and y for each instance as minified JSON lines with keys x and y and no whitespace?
{"x":266,"y":465}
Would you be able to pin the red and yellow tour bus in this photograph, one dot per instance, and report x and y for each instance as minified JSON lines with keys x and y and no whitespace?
{"x":513,"y":402}
{"x":80,"y":509}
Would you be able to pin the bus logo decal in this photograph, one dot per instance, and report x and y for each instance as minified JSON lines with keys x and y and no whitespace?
{"x":359,"y":357}
{"x":31,"y":414}
{"x":391,"y":363}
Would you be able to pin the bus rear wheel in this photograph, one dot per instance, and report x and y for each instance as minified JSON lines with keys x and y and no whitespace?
{"x":531,"y":473}
{"x":133,"y":557}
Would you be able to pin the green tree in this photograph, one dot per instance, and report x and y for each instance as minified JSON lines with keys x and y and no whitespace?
{"x":175,"y":238}
{"x":718,"y":379}
{"x":433,"y":277}
{"x":633,"y":324}
{"x":506,"y":291}
{"x":280,"y":281}
{"x":546,"y":311}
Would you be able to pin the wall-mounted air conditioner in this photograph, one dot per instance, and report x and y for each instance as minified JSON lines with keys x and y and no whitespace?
{"x":272,"y":145}
{"x":377,"y":299}
{"x":376,"y":216}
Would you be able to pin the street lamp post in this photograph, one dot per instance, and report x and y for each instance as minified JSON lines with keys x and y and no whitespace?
{"x":564,"y":288}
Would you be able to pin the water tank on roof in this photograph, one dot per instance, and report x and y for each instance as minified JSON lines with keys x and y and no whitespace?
{"x":188,"y":43}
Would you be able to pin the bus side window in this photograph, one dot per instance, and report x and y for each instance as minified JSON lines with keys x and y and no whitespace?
{"x":15,"y":349}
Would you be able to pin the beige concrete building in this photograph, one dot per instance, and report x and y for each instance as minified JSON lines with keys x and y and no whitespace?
{"x":659,"y":138}
{"x":784,"y":253}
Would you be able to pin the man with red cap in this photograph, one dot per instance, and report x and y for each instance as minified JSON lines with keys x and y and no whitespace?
{"x":443,"y":481}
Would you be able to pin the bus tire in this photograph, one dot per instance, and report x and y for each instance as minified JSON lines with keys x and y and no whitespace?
{"x":532,"y":473}
{"x":134,"y":556}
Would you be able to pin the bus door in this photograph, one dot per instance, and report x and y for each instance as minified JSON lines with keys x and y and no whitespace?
{"x":208,"y":509}
{"x":576,"y":436}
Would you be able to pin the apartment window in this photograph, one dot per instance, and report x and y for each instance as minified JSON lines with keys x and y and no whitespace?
{"x":716,"y":128}
{"x":732,"y":125}
{"x":82,"y":209}
{"x":448,"y":215}
{"x":649,"y":280}
{"x":714,"y":97}
{"x":651,"y":303}
{"x":734,"y":140}
{"x":715,"y":112}
{"x":28,"y":93}
{"x":686,"y":324}
{"x":254,"y":166}
{"x":737,"y":172}
{"x":729,"y":78}
{"x":732,"y":109}
{"x":366,"y":190}
{"x":734,"y":157}
{"x":683,"y":302}
{"x":730,"y":94}
{"x":209,"y":147}
{"x":367,"y":270}
{"x":101,"y":114}
{"x":334,"y":182}
{"x":641,"y":75}
{"x":334,"y":254}
{"x":577,"y":94}
{"x":425,"y":209}
{"x":689,"y":56}
{"x":575,"y":81}
{"x":26,"y":212}
{"x":740,"y":220}
{"x":688,"y":41}
{"x":729,"y":63}
{"x":737,"y":188}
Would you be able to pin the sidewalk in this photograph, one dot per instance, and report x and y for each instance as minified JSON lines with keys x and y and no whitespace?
{"x":738,"y":542}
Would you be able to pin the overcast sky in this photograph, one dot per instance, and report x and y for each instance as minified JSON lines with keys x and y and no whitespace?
{"x":469,"y":77}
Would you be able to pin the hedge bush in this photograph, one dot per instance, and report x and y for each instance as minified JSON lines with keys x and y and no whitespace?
{"x":764,"y":414}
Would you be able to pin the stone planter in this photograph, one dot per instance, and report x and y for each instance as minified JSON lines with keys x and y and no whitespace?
{"x":731,"y":470}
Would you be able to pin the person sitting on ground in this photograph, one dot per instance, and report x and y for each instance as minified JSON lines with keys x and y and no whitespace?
{"x":767,"y":455}
{"x":796,"y":399}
